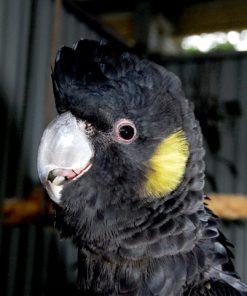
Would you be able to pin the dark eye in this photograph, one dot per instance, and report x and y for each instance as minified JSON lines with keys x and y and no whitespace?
{"x":125,"y":131}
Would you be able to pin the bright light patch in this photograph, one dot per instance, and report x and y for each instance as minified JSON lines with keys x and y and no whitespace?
{"x":242,"y":45}
{"x":208,"y":41}
{"x":233,"y":37}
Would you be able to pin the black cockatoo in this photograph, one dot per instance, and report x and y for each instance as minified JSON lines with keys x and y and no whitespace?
{"x":123,"y":163}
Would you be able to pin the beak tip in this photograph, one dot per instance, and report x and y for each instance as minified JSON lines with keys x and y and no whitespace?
{"x":64,"y":147}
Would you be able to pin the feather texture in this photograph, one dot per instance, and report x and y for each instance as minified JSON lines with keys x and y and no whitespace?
{"x":167,"y":165}
{"x":131,"y":242}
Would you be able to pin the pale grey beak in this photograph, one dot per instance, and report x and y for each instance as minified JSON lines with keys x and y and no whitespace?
{"x":65,"y":154}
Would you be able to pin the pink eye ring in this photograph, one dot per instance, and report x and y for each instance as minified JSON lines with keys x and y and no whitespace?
{"x":125,"y":131}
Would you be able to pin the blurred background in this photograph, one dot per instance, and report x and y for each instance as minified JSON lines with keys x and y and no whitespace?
{"x":204,"y":42}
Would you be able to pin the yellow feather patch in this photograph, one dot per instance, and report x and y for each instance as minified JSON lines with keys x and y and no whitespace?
{"x":167,"y":165}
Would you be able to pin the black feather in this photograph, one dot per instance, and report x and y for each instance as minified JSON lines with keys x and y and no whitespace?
{"x":130,"y":244}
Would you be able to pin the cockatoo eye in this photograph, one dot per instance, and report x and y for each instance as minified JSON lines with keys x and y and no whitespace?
{"x":125,"y":131}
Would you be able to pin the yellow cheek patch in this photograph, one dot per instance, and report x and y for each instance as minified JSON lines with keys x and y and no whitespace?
{"x":167,"y":165}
